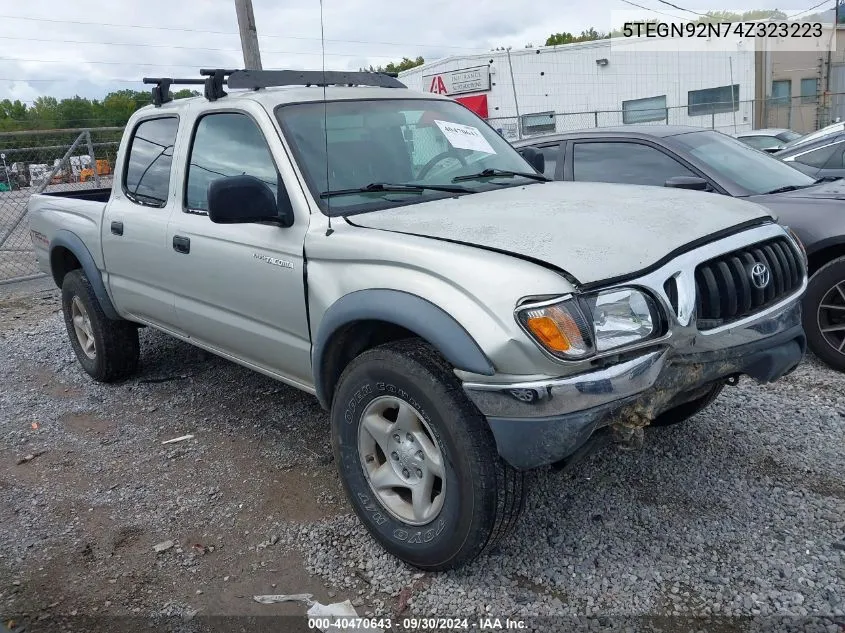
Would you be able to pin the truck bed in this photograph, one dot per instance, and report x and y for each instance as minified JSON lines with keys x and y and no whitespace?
{"x":92,"y":195}
{"x":77,"y":214}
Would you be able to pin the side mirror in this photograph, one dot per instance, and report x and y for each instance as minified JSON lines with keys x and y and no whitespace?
{"x":687,"y":182}
{"x":245,"y":199}
{"x":534,"y":157}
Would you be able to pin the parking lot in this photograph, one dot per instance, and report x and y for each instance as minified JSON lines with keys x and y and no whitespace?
{"x":739,"y":512}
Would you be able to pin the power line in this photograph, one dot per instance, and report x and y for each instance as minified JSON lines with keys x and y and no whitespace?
{"x":133,"y":63}
{"x":185,"y":30}
{"x":85,"y":61}
{"x":639,"y":6}
{"x":198,"y":48}
{"x":705,"y":15}
{"x":60,"y":79}
{"x":145,"y":45}
{"x":675,"y":6}
{"x":816,"y":6}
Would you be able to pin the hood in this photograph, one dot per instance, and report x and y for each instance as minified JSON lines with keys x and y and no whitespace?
{"x":593,"y":231}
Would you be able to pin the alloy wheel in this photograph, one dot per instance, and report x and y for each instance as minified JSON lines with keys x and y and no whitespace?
{"x":402,"y":460}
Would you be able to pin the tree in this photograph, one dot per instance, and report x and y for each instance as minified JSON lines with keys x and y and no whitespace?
{"x":185,"y":93}
{"x":397,"y":67}
{"x":590,"y":35}
{"x":754,"y":14}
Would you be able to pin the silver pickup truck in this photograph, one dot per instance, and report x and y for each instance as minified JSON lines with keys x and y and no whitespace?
{"x":462,"y":319}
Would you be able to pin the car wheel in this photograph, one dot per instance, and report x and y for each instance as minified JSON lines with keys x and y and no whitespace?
{"x":685,"y":411}
{"x":418,"y":461}
{"x":107,"y":350}
{"x":824,"y":313}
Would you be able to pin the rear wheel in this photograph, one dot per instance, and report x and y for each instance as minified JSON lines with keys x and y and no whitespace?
{"x":107,"y":350}
{"x":685,"y":411}
{"x":824,"y":313}
{"x":418,"y":462}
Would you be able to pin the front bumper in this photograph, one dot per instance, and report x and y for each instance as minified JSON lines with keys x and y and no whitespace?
{"x":541,"y":422}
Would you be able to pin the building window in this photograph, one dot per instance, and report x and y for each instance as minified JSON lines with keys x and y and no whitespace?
{"x":540,"y":123}
{"x":809,"y":90}
{"x":713,"y":100}
{"x":781,"y":92}
{"x":644,"y":110}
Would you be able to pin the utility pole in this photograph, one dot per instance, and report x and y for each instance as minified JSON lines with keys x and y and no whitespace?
{"x":249,"y":34}
{"x":515,"y":99}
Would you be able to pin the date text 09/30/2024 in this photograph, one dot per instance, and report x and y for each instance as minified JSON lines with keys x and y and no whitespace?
{"x":417,"y":624}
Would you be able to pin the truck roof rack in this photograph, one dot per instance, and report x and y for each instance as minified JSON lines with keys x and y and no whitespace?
{"x":216,"y":78}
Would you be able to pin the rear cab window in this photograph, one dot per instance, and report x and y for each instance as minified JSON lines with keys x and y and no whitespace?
{"x":149,"y":160}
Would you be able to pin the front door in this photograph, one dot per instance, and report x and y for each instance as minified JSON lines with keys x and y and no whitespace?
{"x":239,"y":287}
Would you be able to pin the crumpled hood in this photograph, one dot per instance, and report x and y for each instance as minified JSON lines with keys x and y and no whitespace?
{"x":593,"y":231}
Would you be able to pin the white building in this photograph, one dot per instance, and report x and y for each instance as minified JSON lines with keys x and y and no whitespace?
{"x":594,"y":84}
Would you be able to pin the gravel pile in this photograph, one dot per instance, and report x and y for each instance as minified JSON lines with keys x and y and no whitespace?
{"x":740,"y":512}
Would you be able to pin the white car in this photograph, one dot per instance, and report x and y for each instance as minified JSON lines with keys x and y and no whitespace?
{"x":767,"y":139}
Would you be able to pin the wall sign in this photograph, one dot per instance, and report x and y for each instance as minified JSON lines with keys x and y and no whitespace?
{"x":456,"y":82}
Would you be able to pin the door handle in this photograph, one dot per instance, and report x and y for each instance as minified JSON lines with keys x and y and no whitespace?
{"x":117,"y":228}
{"x":181,"y":244}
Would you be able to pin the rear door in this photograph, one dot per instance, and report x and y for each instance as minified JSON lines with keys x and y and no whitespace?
{"x":240,"y":287}
{"x":134,"y":230}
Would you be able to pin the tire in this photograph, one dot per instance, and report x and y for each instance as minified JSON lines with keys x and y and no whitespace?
{"x":685,"y":411}
{"x":827,"y":288}
{"x":113,"y":349}
{"x":480,"y":496}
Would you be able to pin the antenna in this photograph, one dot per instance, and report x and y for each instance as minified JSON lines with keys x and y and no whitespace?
{"x":329,"y":230}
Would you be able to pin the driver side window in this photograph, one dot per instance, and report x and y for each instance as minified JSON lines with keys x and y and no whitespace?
{"x":226,"y":144}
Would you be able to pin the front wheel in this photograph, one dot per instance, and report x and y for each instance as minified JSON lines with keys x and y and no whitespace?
{"x":824,"y":313}
{"x":417,"y":460}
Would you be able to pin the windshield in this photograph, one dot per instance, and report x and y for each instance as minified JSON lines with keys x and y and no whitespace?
{"x":789,"y":135}
{"x":748,"y":168}
{"x":412,"y":142}
{"x":812,"y":136}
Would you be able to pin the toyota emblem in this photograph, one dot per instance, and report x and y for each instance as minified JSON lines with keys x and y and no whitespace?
{"x":760,"y":276}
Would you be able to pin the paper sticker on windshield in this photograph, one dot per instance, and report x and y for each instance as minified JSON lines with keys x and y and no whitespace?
{"x":465,"y":137}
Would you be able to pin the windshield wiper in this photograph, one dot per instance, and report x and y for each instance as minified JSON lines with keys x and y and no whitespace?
{"x":788,"y":188}
{"x":500,"y":173}
{"x":827,"y":179}
{"x":386,"y":187}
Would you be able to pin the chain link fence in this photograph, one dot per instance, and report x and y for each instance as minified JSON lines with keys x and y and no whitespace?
{"x":802,"y":114}
{"x":39,"y":161}
{"x":62,"y":160}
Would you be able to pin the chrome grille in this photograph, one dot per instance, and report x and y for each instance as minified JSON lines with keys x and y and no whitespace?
{"x":745,"y":281}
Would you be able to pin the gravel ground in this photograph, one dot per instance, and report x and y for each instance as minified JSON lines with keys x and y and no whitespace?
{"x":738,"y":513}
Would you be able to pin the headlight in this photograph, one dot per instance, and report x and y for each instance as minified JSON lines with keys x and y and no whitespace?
{"x":621,"y":317}
{"x":574,"y":329}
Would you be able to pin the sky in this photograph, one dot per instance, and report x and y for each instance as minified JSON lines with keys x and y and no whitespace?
{"x":90,"y":48}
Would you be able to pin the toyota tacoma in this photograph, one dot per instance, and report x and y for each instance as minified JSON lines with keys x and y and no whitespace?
{"x":461,"y":318}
